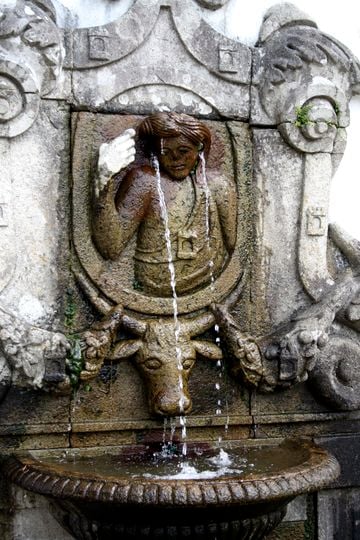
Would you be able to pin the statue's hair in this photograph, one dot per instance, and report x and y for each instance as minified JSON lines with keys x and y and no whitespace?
{"x":163,"y":125}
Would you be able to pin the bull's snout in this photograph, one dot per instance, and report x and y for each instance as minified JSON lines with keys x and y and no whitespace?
{"x":167,"y":405}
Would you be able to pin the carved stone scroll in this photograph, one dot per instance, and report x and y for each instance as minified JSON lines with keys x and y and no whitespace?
{"x":19,"y":101}
{"x":301,"y":67}
{"x":336,"y":376}
{"x":29,"y":32}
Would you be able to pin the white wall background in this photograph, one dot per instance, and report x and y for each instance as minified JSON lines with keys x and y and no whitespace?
{"x":241,"y":19}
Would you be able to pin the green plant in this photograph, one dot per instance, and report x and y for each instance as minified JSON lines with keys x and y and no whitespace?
{"x":70,"y":310}
{"x":74,"y":360}
{"x":302,"y":116}
{"x":137,"y":286}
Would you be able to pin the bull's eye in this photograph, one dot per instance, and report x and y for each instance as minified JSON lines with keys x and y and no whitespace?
{"x":188,"y":363}
{"x":152,"y":363}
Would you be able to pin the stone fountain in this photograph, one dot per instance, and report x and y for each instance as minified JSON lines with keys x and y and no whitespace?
{"x":195,"y":277}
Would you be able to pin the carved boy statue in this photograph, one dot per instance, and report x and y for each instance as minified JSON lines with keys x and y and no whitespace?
{"x":200,"y":209}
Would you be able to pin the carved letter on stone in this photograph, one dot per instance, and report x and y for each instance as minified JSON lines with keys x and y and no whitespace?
{"x":99,"y":44}
{"x":316,"y":221}
{"x":228,"y":60}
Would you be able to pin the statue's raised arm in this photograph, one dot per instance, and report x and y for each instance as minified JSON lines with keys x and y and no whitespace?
{"x":114,"y":156}
{"x":114,"y":226}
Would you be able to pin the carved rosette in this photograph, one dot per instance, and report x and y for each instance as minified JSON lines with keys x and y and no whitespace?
{"x":304,"y":80}
{"x":30,"y":62}
{"x":336,"y":374}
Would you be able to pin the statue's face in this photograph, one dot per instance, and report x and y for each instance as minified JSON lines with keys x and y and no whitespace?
{"x":177,"y":157}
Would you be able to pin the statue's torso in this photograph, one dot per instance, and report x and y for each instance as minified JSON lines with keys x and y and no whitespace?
{"x":196,"y":244}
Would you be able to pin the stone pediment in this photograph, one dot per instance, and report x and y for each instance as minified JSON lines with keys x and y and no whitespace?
{"x":171,"y":47}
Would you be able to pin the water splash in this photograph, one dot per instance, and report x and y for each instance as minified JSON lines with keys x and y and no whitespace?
{"x":183,"y":434}
{"x":222,"y":464}
{"x":164,"y":432}
{"x":172,"y":429}
{"x":165,"y":219}
{"x":223,"y":459}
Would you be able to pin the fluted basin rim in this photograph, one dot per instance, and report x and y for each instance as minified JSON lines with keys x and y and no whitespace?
{"x":318,"y":470}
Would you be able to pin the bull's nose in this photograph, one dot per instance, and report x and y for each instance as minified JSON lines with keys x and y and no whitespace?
{"x":166,"y":406}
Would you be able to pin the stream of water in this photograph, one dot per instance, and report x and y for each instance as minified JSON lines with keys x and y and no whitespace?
{"x":202,"y":178}
{"x":165,"y":219}
{"x":220,"y":365}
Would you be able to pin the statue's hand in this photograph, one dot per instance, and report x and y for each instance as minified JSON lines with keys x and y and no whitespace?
{"x":114,"y":156}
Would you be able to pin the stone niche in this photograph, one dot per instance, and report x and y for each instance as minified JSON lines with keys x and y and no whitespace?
{"x":273,"y":334}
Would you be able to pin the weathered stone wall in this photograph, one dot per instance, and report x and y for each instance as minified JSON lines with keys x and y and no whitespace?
{"x":131,"y":67}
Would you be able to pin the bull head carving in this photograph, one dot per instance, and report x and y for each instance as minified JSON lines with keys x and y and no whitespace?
{"x":164,"y":361}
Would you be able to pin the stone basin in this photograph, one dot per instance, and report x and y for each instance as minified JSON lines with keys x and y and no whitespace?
{"x":137,"y":492}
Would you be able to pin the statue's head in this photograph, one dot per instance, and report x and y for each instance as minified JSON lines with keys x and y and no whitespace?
{"x":177,"y":140}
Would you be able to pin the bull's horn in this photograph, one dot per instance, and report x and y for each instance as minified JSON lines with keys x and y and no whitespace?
{"x":199,"y":324}
{"x":236,"y":292}
{"x":207,"y":349}
{"x":136,"y":326}
{"x":125,"y":349}
{"x":102,"y":305}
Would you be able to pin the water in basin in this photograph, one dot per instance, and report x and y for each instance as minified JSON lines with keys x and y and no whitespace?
{"x":168,"y":462}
